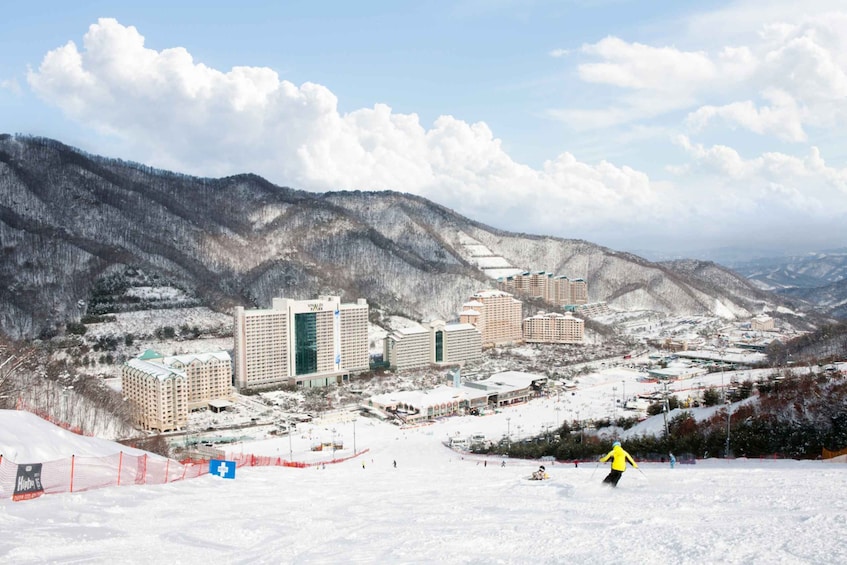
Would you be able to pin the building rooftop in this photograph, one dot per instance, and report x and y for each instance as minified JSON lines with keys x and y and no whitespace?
{"x":187,"y":358}
{"x":157,"y":370}
{"x":491,"y":294}
{"x":458,"y":327}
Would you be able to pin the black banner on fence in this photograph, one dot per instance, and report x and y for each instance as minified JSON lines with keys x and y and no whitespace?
{"x":28,"y":482}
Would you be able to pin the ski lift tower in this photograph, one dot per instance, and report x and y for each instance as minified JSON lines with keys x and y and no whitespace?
{"x":665,"y":407}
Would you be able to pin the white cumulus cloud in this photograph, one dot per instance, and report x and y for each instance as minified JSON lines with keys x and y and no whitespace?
{"x":173,"y":112}
{"x":180,"y":114}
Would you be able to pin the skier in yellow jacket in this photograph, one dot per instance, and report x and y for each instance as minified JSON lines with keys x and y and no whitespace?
{"x":619,"y":460}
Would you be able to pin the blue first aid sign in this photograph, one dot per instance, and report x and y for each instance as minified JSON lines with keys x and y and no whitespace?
{"x":221,"y":468}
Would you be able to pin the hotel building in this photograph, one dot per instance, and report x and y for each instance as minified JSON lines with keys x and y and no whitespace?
{"x":496,"y":314}
{"x":309,"y":343}
{"x":437,"y":343}
{"x":553,"y":328}
{"x":162,"y":390}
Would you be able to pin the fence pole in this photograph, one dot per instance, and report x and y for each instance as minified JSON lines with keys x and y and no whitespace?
{"x":167,"y":466}
{"x":72,"y":472}
{"x":120,"y":465}
{"x":145,"y":468}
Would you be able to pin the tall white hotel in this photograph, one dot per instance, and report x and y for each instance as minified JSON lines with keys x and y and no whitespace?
{"x":309,"y":343}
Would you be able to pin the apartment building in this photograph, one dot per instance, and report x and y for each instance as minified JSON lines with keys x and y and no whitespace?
{"x":762,"y":323}
{"x":553,"y":328}
{"x":496,"y":314}
{"x":556,"y":289}
{"x":436,"y":343}
{"x":309,"y":343}
{"x":162,"y":390}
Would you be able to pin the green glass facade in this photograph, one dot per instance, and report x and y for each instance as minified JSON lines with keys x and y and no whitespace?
{"x":439,"y":346}
{"x":306,"y":343}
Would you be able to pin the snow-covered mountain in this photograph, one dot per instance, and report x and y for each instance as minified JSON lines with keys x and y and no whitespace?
{"x":73,"y":226}
{"x":818,"y":278}
{"x":801,"y":271}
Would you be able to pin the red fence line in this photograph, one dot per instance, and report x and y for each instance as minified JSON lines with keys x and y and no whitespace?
{"x":79,"y":473}
{"x":250,"y":460}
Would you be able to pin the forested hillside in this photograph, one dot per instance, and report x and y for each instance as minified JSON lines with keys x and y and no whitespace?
{"x":69,"y":221}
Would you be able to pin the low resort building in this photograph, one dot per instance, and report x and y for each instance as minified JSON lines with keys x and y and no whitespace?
{"x":471,"y":397}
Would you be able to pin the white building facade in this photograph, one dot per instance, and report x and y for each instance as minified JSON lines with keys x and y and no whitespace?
{"x":437,"y":343}
{"x":308,"y":343}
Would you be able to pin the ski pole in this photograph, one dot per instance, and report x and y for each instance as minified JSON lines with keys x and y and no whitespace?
{"x":595,"y":468}
{"x":642,"y":472}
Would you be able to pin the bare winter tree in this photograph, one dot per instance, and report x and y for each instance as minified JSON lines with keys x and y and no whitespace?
{"x":11,"y":359}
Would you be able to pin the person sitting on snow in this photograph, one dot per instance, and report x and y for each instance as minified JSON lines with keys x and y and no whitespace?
{"x":540,"y":474}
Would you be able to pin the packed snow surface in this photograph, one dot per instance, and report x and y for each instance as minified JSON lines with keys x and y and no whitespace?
{"x":435,"y":506}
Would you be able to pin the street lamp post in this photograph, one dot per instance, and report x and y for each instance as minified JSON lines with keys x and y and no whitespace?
{"x":509,"y":431}
{"x":728,"y":416}
{"x":290,"y":450}
{"x":354,"y":437}
{"x":614,"y":402}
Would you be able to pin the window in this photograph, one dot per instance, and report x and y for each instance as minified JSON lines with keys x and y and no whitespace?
{"x":306,"y":343}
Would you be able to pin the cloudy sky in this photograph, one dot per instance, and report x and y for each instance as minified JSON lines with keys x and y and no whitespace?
{"x":640,"y":126}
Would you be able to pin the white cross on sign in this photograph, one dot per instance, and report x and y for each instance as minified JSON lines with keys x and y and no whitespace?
{"x":221,"y":468}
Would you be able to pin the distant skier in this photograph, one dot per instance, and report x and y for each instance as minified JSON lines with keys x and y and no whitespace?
{"x":673,"y":460}
{"x":619,"y":460}
{"x":395,"y":463}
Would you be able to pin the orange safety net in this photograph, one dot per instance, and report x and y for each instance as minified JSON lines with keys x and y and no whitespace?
{"x":827,"y":454}
{"x":78,"y":474}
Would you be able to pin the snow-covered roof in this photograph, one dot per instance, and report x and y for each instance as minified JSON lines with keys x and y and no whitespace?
{"x":422,"y":399}
{"x":511,"y":380}
{"x":187,"y":358}
{"x":546,"y":315}
{"x":469,"y":312}
{"x":731,"y":355}
{"x":458,"y":327}
{"x":411,"y":331}
{"x":491,"y":294}
{"x":157,"y":370}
